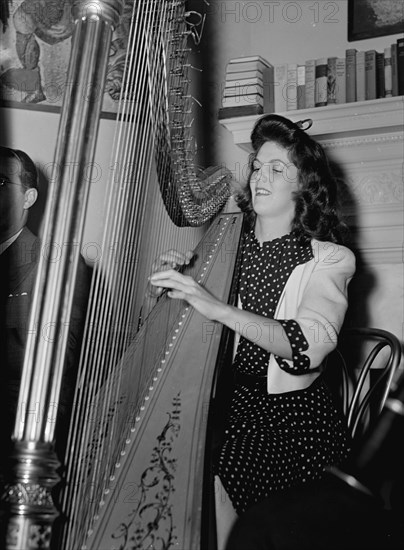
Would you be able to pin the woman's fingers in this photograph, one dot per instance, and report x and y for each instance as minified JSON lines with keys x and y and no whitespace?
{"x":170,"y":279}
{"x":169,"y":260}
{"x":172,"y":259}
{"x":189,"y":254}
{"x":179,"y":286}
{"x":186,"y":288}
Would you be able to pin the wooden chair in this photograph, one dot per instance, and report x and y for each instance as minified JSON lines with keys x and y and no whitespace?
{"x":360,"y":372}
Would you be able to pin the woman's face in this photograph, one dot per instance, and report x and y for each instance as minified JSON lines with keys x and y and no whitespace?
{"x":273,"y":181}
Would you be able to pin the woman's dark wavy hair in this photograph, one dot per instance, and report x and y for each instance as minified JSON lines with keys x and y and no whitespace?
{"x":317,"y":213}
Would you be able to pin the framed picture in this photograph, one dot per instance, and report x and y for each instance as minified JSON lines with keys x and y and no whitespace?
{"x":371,"y":18}
{"x":35,"y":51}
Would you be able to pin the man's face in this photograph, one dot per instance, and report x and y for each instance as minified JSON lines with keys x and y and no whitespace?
{"x":14,"y":201}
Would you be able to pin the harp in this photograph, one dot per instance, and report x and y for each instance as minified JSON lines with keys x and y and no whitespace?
{"x":133,"y":472}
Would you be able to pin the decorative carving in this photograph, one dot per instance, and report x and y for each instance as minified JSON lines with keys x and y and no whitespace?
{"x":13,"y":533}
{"x":150,"y":524}
{"x":27,"y":493}
{"x":39,"y":536}
{"x":358,"y":141}
{"x":377,"y":188}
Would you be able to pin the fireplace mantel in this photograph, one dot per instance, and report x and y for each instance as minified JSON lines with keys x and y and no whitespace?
{"x":362,"y":118}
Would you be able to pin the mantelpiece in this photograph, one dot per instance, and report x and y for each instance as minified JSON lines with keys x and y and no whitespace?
{"x":366,"y":140}
{"x":362,"y":118}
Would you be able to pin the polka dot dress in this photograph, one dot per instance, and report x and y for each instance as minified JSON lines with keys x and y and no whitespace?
{"x":275,"y":441}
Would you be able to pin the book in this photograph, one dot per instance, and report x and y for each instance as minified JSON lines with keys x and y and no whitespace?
{"x":360,"y":76}
{"x":243,"y":67}
{"x":245,"y":110}
{"x":379,"y":74}
{"x":291,"y":87}
{"x":400,"y":66}
{"x":280,"y":84}
{"x":239,"y":88}
{"x":242,"y":75}
{"x":394,"y":73}
{"x":340,"y":83}
{"x":320,"y":91}
{"x":370,"y":74}
{"x":249,"y":59}
{"x":301,"y":75}
{"x":350,"y":61}
{"x":268,"y":89}
{"x":388,"y":77}
{"x":332,"y":80}
{"x":310,"y":81}
{"x":246,"y":64}
{"x":242,"y":82}
{"x":246,"y":99}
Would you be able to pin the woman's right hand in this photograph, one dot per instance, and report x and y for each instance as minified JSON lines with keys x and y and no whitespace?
{"x":171,"y":259}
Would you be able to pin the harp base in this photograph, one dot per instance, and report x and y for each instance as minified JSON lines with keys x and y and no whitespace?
{"x":28,"y":510}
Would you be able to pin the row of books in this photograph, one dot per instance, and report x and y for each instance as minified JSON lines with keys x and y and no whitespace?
{"x":359,"y":76}
{"x":254,"y":86}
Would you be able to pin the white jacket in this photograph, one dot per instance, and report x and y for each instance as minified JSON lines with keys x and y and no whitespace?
{"x":316,"y":297}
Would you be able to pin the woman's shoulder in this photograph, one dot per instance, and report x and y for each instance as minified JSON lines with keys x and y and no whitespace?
{"x":328,"y":253}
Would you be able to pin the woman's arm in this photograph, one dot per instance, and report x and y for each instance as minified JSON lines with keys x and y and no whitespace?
{"x":266,"y":333}
{"x":319,"y":315}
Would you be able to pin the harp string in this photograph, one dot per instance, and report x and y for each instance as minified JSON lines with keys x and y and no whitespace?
{"x":96,"y":367}
{"x":93,"y":368}
{"x":133,"y":219}
{"x":119,"y":215}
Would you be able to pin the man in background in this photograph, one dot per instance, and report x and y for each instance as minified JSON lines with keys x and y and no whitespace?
{"x":20,"y":251}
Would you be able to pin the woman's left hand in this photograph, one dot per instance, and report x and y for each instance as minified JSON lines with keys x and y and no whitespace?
{"x":183,"y":287}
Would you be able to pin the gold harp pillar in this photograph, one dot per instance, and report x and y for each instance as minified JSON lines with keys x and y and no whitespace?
{"x":28,"y":508}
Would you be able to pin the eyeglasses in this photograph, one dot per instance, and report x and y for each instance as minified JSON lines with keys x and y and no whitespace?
{"x":4,"y":182}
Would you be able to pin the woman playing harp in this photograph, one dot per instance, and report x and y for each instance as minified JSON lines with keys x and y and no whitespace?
{"x":283,"y":428}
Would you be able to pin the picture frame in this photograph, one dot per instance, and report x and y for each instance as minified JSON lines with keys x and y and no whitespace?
{"x":34,"y":64}
{"x":373,"y":18}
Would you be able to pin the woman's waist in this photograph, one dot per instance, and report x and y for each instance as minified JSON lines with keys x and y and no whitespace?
{"x":250,"y":379}
{"x":260,"y":380}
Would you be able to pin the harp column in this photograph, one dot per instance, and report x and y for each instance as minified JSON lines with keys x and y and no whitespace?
{"x":27,"y":505}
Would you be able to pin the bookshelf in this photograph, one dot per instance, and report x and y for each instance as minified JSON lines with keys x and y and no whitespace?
{"x":333,"y":121}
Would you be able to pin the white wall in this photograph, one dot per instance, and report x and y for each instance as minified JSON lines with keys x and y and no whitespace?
{"x":35,"y":132}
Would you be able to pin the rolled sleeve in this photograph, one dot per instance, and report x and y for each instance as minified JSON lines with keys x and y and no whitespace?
{"x":300,"y":361}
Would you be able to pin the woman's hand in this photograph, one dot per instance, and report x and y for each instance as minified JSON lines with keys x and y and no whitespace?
{"x":171,"y":259}
{"x":183,"y":287}
{"x":263,"y":331}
